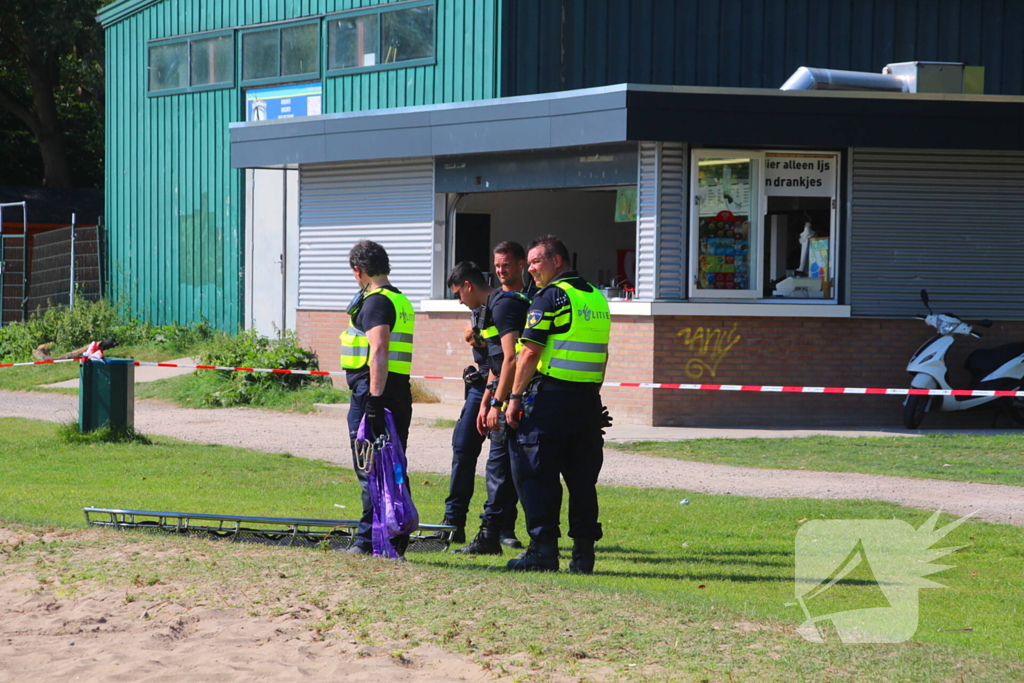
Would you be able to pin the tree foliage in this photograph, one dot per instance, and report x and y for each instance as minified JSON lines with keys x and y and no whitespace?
{"x":51,"y":92}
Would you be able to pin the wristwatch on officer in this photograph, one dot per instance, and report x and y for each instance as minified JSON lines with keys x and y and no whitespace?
{"x":515,"y":397}
{"x":495,"y":403}
{"x":492,"y":387}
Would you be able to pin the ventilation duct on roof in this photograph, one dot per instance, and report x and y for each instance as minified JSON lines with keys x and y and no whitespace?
{"x":807,"y":78}
{"x":912,"y":77}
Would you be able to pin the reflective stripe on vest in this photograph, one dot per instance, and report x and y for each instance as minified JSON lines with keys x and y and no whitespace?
{"x":355,"y":347}
{"x":580,"y":353}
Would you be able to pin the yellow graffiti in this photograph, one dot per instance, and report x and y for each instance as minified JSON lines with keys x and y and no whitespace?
{"x":709,"y":347}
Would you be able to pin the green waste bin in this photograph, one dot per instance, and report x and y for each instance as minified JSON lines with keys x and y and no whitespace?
{"x":106,"y":394}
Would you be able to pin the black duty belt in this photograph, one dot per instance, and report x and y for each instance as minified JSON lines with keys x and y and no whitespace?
{"x":545,"y":383}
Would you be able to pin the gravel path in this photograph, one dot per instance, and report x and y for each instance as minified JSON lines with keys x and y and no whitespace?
{"x":321,"y":437}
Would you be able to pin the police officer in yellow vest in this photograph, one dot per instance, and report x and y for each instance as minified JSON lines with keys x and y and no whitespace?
{"x":376,"y":354}
{"x":556,"y":406}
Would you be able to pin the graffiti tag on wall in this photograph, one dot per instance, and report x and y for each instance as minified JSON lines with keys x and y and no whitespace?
{"x":709,"y":347}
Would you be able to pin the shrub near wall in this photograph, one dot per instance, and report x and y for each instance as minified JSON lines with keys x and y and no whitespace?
{"x":248,"y":349}
{"x":68,"y":329}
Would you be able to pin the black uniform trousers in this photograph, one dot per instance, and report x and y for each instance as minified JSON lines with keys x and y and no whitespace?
{"x":397,"y":399}
{"x":560,"y":436}
{"x":500,"y":508}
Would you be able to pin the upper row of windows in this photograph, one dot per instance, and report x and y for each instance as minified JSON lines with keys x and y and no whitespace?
{"x":370,"y":39}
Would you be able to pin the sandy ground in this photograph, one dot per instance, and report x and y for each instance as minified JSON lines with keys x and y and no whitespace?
{"x":45,"y":636}
{"x":321,"y":436}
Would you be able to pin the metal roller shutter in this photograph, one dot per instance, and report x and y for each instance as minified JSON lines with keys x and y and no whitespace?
{"x":390,"y":202}
{"x":672,"y":223}
{"x":661,"y":231}
{"x":949,"y":222}
{"x":647,"y":221}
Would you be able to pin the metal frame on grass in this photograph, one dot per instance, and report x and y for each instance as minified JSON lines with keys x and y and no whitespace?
{"x":283,"y":531}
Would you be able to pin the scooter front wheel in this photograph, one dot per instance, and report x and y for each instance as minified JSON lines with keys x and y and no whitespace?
{"x":913,"y":412}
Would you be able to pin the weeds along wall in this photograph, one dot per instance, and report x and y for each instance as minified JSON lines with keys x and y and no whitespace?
{"x":174,"y":205}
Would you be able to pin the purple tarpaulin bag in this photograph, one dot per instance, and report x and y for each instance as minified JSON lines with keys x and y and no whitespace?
{"x":394,"y":513}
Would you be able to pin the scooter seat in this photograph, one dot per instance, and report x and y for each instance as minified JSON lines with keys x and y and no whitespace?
{"x":984,"y":361}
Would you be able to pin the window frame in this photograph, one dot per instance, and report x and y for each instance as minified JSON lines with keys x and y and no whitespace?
{"x":188,"y":40}
{"x":757,"y":296}
{"x":378,"y":10}
{"x":280,"y":78}
{"x":756,"y":158}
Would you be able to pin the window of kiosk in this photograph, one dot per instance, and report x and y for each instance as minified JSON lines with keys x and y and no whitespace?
{"x":763,"y":225}
{"x":726,"y":225}
{"x":800,"y":225}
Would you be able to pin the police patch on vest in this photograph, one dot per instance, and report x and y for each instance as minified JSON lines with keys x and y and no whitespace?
{"x":533,"y":318}
{"x":586,"y":313}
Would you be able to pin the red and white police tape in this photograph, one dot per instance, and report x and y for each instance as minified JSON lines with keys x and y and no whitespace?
{"x":868,"y":391}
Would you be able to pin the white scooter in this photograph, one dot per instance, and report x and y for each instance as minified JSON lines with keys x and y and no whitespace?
{"x":998,"y":369}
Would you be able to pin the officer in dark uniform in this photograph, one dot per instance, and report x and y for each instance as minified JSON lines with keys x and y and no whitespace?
{"x":467,"y":441}
{"x":376,"y":354}
{"x":556,"y":406}
{"x":470,"y":433}
{"x":504,"y":314}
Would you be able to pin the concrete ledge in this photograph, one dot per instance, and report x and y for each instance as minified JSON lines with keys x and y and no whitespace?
{"x":758,"y":309}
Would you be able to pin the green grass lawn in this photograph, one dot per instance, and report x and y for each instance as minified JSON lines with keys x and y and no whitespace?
{"x":997,"y":459}
{"x":695,"y":592}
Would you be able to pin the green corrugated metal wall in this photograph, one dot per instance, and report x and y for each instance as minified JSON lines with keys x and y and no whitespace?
{"x":173,"y":202}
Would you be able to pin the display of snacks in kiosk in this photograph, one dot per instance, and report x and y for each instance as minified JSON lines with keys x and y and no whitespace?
{"x":724,"y":260}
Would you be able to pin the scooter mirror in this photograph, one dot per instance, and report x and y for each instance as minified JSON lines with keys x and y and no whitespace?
{"x":924,"y":297}
{"x":985,"y":323}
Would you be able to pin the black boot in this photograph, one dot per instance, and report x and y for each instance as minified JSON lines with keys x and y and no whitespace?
{"x":485,"y":543}
{"x":509,"y":540}
{"x":541,"y":556}
{"x":582,"y":561}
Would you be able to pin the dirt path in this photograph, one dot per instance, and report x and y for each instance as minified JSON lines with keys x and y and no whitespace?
{"x":322,"y":437}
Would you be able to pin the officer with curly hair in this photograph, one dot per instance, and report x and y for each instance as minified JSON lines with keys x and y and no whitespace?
{"x":376,"y":354}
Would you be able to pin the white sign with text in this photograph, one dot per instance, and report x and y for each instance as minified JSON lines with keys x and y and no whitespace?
{"x":800,"y":175}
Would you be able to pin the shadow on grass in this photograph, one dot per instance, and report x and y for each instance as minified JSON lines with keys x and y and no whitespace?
{"x":666,"y":576}
{"x":704,"y":559}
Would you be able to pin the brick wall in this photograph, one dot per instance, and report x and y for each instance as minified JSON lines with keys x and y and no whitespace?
{"x":854,"y":352}
{"x":319,"y":330}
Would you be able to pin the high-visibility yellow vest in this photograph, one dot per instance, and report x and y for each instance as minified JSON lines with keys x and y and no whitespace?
{"x":580,"y":353}
{"x":355,"y":348}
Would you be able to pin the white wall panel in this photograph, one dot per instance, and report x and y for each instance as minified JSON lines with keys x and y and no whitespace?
{"x":388,"y":202}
